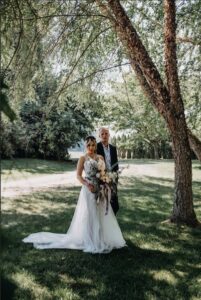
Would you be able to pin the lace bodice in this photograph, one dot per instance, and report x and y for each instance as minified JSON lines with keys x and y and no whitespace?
{"x":91,"y":167}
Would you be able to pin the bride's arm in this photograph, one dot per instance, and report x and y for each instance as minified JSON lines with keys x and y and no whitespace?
{"x":80,"y":168}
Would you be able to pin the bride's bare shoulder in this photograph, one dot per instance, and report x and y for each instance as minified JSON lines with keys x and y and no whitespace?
{"x":81,"y":159}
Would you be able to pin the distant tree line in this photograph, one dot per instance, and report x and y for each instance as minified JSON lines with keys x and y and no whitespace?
{"x":128,"y":148}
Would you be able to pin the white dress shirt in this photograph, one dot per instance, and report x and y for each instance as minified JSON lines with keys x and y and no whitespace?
{"x":107,"y":157}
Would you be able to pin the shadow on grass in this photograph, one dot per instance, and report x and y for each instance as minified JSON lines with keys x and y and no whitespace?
{"x":160,"y":262}
{"x":36,"y":166}
{"x":130,"y":273}
{"x":144,"y":161}
{"x":8,"y":289}
{"x":153,"y":194}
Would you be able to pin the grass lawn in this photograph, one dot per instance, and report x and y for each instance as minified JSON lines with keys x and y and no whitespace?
{"x":15,"y":169}
{"x":161,"y":261}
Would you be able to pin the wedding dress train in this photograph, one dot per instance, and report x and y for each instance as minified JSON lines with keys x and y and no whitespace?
{"x":90,"y":230}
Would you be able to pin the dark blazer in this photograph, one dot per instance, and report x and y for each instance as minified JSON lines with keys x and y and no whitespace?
{"x":114,"y":160}
{"x":113,"y":155}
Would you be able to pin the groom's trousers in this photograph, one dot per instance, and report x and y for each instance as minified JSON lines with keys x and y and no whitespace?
{"x":114,"y":199}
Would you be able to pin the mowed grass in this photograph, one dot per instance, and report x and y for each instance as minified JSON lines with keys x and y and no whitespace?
{"x":15,"y":169}
{"x":161,"y":261}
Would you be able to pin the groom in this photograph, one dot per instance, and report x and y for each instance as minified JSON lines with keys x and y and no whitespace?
{"x":109,"y":153}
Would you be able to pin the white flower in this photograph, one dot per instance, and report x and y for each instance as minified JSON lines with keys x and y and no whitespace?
{"x":98,"y":175}
{"x":107,"y":179}
{"x":101,"y":165}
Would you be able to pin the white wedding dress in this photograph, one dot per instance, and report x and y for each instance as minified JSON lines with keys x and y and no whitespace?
{"x":91,"y":230}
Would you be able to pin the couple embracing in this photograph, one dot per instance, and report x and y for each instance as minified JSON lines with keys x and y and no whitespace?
{"x":94,"y":227}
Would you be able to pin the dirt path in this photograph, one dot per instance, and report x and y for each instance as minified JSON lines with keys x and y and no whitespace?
{"x":14,"y":188}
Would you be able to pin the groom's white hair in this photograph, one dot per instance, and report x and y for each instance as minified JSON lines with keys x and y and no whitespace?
{"x":103,"y":128}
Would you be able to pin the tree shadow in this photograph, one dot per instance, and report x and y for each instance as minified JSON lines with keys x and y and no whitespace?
{"x":7,"y":289}
{"x":128,"y":273}
{"x":160,"y":262}
{"x":143,"y":161}
{"x":154,"y":188}
{"x":36,"y":166}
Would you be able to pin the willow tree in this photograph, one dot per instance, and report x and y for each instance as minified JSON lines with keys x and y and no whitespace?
{"x":165,"y":96}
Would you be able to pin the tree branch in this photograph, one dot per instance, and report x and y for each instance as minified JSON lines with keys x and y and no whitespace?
{"x":195,"y":42}
{"x":19,"y":37}
{"x":171,"y":70}
{"x":141,"y":78}
{"x":63,"y":15}
{"x":94,"y":73}
{"x":77,"y":61}
{"x":188,"y":40}
{"x":142,"y":64}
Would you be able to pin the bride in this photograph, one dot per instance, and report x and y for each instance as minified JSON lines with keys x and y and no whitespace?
{"x":91,"y":230}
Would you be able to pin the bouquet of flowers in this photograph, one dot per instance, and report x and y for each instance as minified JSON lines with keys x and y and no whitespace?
{"x":91,"y":179}
{"x":107,"y":184}
{"x":104,"y":182}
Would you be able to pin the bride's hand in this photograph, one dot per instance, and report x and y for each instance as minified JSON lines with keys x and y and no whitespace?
{"x":91,"y":187}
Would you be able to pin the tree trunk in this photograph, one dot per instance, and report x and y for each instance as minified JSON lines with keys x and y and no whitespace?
{"x":168,"y":101}
{"x":183,"y":211}
{"x":195,"y":144}
{"x":156,"y":152}
{"x":128,"y":156}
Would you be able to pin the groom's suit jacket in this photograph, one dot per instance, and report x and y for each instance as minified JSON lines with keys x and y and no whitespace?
{"x":114,"y":160}
{"x":113,"y":155}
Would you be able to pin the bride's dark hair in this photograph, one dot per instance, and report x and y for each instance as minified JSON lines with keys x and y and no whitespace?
{"x":89,"y":139}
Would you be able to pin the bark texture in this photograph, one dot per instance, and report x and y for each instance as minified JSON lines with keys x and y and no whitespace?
{"x":195,"y":144}
{"x":183,"y":201}
{"x":167,"y":99}
{"x":171,"y":54}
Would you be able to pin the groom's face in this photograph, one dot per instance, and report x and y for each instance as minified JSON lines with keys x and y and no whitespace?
{"x":104,"y":136}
